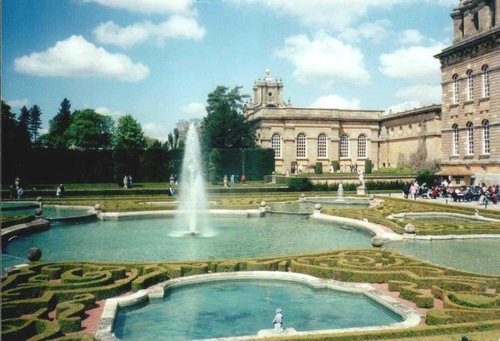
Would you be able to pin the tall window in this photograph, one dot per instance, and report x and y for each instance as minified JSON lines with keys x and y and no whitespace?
{"x":301,"y":145}
{"x":455,"y":140}
{"x":344,"y":145}
{"x":362,"y":146}
{"x":456,"y":90}
{"x":470,"y":86}
{"x":322,"y":146}
{"x":276,"y":145}
{"x":486,"y":137}
{"x":470,"y":138}
{"x":486,"y":81}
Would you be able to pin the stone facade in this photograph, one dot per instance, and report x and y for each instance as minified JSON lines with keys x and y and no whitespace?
{"x":471,"y":95}
{"x":304,"y":136}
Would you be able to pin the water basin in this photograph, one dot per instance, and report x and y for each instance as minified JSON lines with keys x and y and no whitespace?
{"x":239,"y":307}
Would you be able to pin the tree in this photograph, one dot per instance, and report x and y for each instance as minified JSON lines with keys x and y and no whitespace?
{"x":129,"y":134}
{"x":16,"y":146}
{"x":214,"y":166}
{"x":89,"y":130}
{"x":35,"y":122}
{"x":174,"y":140}
{"x":129,"y":142}
{"x":24,"y":120}
{"x":225,"y":125}
{"x":59,"y":124}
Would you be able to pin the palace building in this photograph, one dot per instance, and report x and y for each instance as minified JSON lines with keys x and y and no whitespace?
{"x":462,"y":134}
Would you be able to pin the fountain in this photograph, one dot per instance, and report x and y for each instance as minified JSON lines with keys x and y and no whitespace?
{"x":340,"y":192}
{"x":192,"y":216}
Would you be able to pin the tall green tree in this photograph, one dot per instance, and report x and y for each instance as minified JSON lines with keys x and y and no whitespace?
{"x":174,"y":140}
{"x":59,"y":124}
{"x":128,"y":134}
{"x":16,"y":146}
{"x":225,"y":125}
{"x":24,"y":121}
{"x":90,"y":130}
{"x":129,"y":143}
{"x":35,"y":122}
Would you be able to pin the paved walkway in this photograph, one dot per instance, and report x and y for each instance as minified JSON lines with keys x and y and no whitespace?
{"x":448,"y":201}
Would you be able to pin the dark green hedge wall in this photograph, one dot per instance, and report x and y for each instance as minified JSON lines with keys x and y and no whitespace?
{"x":254,"y":163}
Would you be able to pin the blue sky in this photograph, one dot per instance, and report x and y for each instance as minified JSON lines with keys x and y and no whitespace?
{"x":158,"y":59}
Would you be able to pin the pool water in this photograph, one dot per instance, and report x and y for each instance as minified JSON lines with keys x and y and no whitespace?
{"x":51,"y":211}
{"x":155,"y":239}
{"x":237,"y":308}
{"x":475,"y":255}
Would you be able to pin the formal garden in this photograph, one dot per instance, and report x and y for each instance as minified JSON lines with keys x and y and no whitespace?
{"x":198,"y":238}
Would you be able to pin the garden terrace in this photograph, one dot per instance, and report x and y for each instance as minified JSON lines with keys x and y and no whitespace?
{"x":452,"y":301}
{"x":379,"y":215}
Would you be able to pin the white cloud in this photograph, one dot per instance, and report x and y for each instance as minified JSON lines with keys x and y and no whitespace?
{"x":155,"y":130}
{"x":76,"y":57}
{"x":411,"y":37}
{"x":336,"y":102}
{"x":108,"y":112}
{"x":324,"y":60}
{"x":194,"y":110}
{"x":423,"y":93}
{"x":403,"y":106}
{"x":333,"y":15}
{"x":149,"y":6}
{"x":414,"y":63}
{"x":375,"y":31}
{"x":18,"y":103}
{"x":176,"y":27}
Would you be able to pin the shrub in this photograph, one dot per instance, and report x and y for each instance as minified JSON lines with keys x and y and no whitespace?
{"x":214,"y":166}
{"x":299,"y":184}
{"x":368,"y":166}
{"x":336,"y":166}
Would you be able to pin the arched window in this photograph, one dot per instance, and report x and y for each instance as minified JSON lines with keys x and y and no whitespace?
{"x":301,"y":145}
{"x":486,"y":137}
{"x":362,"y":146}
{"x":470,"y":86}
{"x":455,"y":146}
{"x":322,"y":146}
{"x":486,"y":81}
{"x":276,"y":145}
{"x":344,"y":146}
{"x":456,"y":90}
{"x":470,"y":138}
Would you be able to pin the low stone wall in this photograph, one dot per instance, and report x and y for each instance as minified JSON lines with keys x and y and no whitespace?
{"x":333,"y":180}
{"x":37,"y":225}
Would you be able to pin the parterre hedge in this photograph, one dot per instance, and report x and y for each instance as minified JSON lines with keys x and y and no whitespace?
{"x":71,"y":288}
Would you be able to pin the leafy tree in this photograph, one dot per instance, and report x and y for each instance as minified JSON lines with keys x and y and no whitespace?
{"x":129,"y":142}
{"x":174,"y":140}
{"x":225,"y":125}
{"x":35,"y":122}
{"x":59,"y":124}
{"x":129,"y":134}
{"x":89,"y":130}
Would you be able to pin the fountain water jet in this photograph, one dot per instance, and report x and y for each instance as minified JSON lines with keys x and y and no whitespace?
{"x":340,"y":193}
{"x":192,"y":216}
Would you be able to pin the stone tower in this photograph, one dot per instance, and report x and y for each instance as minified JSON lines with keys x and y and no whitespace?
{"x":470,"y":70}
{"x":267,"y":92}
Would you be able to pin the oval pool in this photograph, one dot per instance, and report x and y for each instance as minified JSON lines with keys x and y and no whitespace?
{"x":239,"y":307}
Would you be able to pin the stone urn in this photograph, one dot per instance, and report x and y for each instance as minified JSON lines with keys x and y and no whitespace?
{"x":377,"y":242}
{"x":410,"y":228}
{"x":34,"y":254}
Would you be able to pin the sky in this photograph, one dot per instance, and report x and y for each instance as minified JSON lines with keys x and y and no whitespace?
{"x":159,"y":59}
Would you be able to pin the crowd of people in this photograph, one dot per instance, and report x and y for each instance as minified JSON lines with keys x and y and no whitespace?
{"x":483,"y":194}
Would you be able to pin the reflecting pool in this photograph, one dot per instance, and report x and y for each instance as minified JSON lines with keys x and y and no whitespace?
{"x":236,"y":308}
{"x":155,"y":239}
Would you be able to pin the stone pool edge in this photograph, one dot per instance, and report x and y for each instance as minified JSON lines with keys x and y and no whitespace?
{"x":411,"y":317}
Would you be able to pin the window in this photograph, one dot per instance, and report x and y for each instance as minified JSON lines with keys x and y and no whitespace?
{"x":344,"y":146}
{"x":470,"y":138}
{"x":486,"y":81}
{"x":301,"y":145}
{"x":470,"y":86}
{"x":322,"y":146}
{"x":455,"y":140}
{"x":486,"y":137}
{"x":276,"y":145}
{"x":362,"y":146}
{"x":456,"y":89}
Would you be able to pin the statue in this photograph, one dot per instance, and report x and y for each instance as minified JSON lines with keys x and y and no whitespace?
{"x":278,"y":321}
{"x":361,"y":178}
